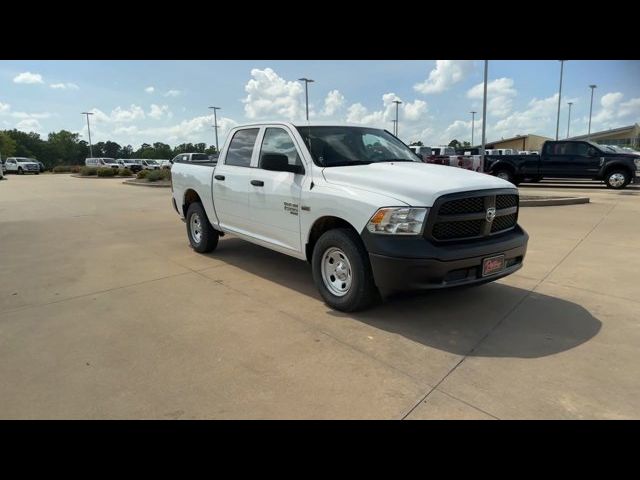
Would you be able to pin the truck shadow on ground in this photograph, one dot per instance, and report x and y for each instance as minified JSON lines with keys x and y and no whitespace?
{"x":492,"y":320}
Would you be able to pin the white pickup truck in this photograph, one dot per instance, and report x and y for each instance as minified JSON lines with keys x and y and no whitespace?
{"x":357,"y":204}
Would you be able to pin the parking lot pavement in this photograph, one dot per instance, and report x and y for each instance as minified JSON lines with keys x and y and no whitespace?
{"x":105,"y":312}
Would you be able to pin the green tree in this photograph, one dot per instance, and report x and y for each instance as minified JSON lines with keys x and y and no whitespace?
{"x":111,"y":149}
{"x":63,"y":148}
{"x":416,"y":143}
{"x":7,"y":145}
{"x":455,"y":143}
{"x":163,"y":151}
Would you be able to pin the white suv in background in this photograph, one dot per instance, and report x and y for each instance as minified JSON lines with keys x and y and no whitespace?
{"x":21,"y":165}
{"x":101,"y":162}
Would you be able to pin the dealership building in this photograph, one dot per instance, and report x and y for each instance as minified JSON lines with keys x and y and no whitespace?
{"x":624,"y":137}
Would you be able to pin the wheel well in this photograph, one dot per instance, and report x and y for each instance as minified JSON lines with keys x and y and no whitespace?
{"x":322,"y":225}
{"x":503,"y":166}
{"x":618,"y":166}
{"x":190,"y":196}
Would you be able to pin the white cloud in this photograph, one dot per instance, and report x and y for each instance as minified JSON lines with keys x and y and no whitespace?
{"x":64,"y":86}
{"x":539,"y":118}
{"x":30,"y":115}
{"x":149,"y":89}
{"x":414,"y":111}
{"x":445,"y":74}
{"x":118,"y":115}
{"x":4,"y":107}
{"x":614,"y":112}
{"x":29,"y":125}
{"x":28,"y":77}
{"x":500,"y":94}
{"x":158,"y":111}
{"x":173,"y":93}
{"x":332,"y":103}
{"x":269,"y":95}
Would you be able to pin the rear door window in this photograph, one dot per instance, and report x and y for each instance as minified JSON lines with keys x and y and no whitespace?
{"x":241,"y":147}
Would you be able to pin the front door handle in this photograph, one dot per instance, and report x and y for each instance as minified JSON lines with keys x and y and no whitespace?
{"x":219,"y":177}
{"x":257,"y":183}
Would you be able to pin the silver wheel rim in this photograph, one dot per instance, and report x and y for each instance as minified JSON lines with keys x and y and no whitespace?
{"x":616,"y":180}
{"x":503,"y":175}
{"x":195,"y":225}
{"x":336,"y":271}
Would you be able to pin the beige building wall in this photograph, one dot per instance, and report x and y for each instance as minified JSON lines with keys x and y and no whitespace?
{"x":526,"y":142}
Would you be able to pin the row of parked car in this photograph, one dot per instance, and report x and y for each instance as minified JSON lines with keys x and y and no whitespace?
{"x":137,"y":164}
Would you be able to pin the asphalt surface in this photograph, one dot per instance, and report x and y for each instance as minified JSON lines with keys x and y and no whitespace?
{"x":105,"y":312}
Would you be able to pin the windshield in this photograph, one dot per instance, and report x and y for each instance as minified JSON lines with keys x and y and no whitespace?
{"x":342,"y":146}
{"x":108,"y":160}
{"x":151,"y":162}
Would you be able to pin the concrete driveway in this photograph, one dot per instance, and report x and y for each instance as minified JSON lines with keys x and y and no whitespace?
{"x":105,"y":312}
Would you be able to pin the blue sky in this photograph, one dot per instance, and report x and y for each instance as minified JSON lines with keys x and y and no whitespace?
{"x":46,"y":96}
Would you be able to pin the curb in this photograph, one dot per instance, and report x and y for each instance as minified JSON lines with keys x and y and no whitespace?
{"x":552,"y":202}
{"x":146,"y":184}
{"x":93,"y":177}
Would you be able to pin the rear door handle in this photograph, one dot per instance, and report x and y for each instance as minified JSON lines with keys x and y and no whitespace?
{"x":257,"y":183}
{"x":219,"y":177}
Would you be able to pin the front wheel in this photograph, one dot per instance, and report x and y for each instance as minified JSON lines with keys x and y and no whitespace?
{"x":617,"y":179}
{"x":507,"y":175}
{"x":202,"y":236}
{"x":20,"y":171}
{"x":342,"y":272}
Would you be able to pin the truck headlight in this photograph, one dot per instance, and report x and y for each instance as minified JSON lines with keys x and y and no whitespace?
{"x":398,"y":221}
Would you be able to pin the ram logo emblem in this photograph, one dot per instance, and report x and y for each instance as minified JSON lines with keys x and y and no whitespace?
{"x":491,"y":214}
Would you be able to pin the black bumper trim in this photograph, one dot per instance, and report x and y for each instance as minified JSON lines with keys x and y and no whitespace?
{"x":418,"y":264}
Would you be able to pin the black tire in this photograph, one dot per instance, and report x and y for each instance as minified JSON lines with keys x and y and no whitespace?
{"x":534,"y":179}
{"x":20,"y":171}
{"x":609,"y":178}
{"x":505,"y":174}
{"x":363,"y":291}
{"x":208,"y":236}
{"x":37,"y":173}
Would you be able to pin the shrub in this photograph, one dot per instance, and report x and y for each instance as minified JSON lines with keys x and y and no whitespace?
{"x":88,"y":171}
{"x":155,"y":175}
{"x":106,"y":172}
{"x":166,"y":174}
{"x":142,"y":174}
{"x":62,"y":169}
{"x":75,"y":169}
{"x":125,"y":172}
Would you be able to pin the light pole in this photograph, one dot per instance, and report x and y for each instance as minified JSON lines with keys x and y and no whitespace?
{"x":473,"y":118}
{"x":215,"y":125}
{"x":484,"y":108}
{"x":397,"y":102}
{"x":306,"y":81}
{"x":569,"y":119}
{"x":395,"y":123}
{"x":89,"y":131}
{"x":592,"y":87}
{"x":559,"y":98}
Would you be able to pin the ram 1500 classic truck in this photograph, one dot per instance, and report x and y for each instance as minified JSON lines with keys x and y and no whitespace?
{"x":567,"y":159}
{"x":357,"y":204}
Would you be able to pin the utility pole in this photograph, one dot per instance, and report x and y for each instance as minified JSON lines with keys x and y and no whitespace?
{"x":569,"y":119}
{"x":592,"y":87}
{"x":395,"y":122}
{"x":215,"y":125}
{"x":89,"y":131}
{"x":306,"y":81}
{"x":559,"y":98}
{"x":484,"y":109}
{"x":473,"y":117}
{"x":397,"y":102}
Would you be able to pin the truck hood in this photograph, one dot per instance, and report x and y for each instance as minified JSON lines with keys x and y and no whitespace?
{"x":416,"y":184}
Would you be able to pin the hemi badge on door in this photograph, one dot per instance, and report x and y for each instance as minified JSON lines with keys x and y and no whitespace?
{"x":305,"y":208}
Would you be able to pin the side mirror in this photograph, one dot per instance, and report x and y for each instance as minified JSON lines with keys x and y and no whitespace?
{"x":277,"y":162}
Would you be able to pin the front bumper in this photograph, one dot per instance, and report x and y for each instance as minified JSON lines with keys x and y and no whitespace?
{"x":417,"y":264}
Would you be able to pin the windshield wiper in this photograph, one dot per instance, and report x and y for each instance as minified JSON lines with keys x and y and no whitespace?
{"x":395,"y":160}
{"x":348,"y":163}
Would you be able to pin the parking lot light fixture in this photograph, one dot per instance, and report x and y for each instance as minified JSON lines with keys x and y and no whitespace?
{"x":473,"y":118}
{"x":569,"y":118}
{"x":397,"y":102}
{"x":306,"y":81}
{"x":89,"y":132}
{"x":215,"y":125}
{"x":592,"y":87}
{"x":559,"y":98}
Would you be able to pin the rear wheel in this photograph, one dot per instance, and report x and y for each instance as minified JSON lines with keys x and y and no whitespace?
{"x":617,"y":179}
{"x":202,"y":236}
{"x":506,"y":174}
{"x":342,"y":272}
{"x":20,"y":171}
